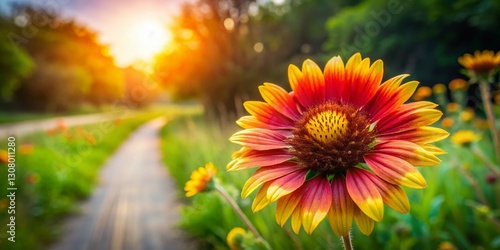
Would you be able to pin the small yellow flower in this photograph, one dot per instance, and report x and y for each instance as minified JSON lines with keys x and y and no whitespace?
{"x":422,"y":93}
{"x":481,"y":63}
{"x":439,"y":88}
{"x":235,"y":238}
{"x":200,"y":178}
{"x":457,"y":84}
{"x":26,"y":149}
{"x":446,"y":246}
{"x":464,"y":137}
{"x":452,"y":107}
{"x":467,"y":115}
{"x":447,"y":122}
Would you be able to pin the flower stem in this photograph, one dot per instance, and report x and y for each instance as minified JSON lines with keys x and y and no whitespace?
{"x":484,"y":87}
{"x":485,"y":160}
{"x":242,"y":215}
{"x":347,"y":242}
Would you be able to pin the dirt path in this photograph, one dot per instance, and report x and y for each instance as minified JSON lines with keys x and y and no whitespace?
{"x":134,"y":206}
{"x":20,"y":128}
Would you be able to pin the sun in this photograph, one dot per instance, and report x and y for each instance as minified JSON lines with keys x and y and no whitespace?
{"x":148,"y":38}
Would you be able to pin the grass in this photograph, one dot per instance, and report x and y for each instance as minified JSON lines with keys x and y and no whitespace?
{"x":446,"y":212}
{"x":61,"y":169}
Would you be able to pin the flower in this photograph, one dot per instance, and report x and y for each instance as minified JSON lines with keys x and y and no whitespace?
{"x":452,"y":107}
{"x":200,"y":179}
{"x":4,"y":156}
{"x":32,"y":178}
{"x":26,"y":149}
{"x":422,"y":93}
{"x":446,"y":246}
{"x":339,"y":145}
{"x":235,"y":238}
{"x":464,"y":137}
{"x":481,"y":124}
{"x":439,"y":88}
{"x":457,"y":84}
{"x":447,"y":122}
{"x":467,"y":115}
{"x":481,"y":63}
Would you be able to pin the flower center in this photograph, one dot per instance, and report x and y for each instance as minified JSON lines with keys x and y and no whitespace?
{"x":332,"y":137}
{"x":327,"y":125}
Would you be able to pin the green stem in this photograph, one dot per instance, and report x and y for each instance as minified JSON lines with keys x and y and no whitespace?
{"x":484,"y":87}
{"x":242,"y":215}
{"x":486,"y":161}
{"x":347,"y":242}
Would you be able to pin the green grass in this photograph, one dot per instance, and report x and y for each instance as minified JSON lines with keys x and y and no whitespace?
{"x":446,"y":211}
{"x":62,"y":169}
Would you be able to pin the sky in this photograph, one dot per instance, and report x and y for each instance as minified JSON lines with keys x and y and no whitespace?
{"x":134,"y":29}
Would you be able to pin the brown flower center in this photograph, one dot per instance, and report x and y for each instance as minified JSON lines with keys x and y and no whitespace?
{"x":332,"y":137}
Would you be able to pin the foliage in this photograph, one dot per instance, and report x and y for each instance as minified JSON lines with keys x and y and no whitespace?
{"x":69,"y":66}
{"x":409,"y":34}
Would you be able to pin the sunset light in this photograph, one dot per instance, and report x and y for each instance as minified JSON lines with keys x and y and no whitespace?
{"x":146,"y":39}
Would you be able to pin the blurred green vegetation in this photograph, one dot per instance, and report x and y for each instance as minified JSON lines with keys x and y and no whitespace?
{"x":55,"y":169}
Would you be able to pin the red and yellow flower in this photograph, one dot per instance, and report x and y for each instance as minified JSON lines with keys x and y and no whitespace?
{"x":339,"y":145}
{"x":481,"y":63}
{"x":200,"y":179}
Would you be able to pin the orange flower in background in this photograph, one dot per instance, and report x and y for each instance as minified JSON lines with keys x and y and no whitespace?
{"x":26,"y":149}
{"x":457,"y":84}
{"x":422,"y":93}
{"x":447,"y":122}
{"x":4,"y":156}
{"x":200,"y":179}
{"x":481,"y":63}
{"x":339,"y":145}
{"x":61,"y":125}
{"x":452,"y":107}
{"x":439,"y":88}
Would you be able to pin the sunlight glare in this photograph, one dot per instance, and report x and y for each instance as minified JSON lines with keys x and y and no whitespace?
{"x":149,"y":38}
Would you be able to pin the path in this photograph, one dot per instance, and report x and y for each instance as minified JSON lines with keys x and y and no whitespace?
{"x":25,"y":127}
{"x":134,"y":206}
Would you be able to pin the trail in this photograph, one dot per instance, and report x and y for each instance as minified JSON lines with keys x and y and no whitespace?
{"x":26,"y":127}
{"x":134,"y":206}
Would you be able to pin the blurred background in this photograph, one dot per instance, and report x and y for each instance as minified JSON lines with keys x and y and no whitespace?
{"x":195,"y":62}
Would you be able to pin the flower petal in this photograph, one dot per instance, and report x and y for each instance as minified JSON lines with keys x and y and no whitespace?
{"x":264,"y":112}
{"x":257,"y":158}
{"x":286,"y":205}
{"x":366,"y":82}
{"x":308,"y":85}
{"x":315,"y":203}
{"x":433,"y":149}
{"x":390,"y":95}
{"x":260,"y":139}
{"x":249,"y":121}
{"x":395,"y":170}
{"x":342,"y":210}
{"x":392,"y":195}
{"x":421,"y":135}
{"x":280,"y":99}
{"x":286,"y":184}
{"x":266,"y":174}
{"x":407,"y":117}
{"x":261,"y":200}
{"x":408,"y":151}
{"x":334,"y":78}
{"x":364,"y":223}
{"x":365,"y":194}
